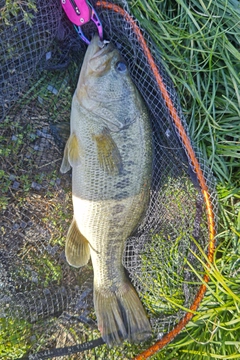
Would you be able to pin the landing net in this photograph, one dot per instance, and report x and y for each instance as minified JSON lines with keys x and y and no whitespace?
{"x":44,"y":303}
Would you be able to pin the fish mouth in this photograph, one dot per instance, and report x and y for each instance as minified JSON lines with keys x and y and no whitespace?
{"x":99,"y":56}
{"x":96,"y":60}
{"x":100,"y":48}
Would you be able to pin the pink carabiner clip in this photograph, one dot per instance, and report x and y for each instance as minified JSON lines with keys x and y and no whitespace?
{"x":79,"y":13}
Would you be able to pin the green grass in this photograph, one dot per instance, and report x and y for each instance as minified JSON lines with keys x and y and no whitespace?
{"x":15,"y":341}
{"x":17,"y":7}
{"x":214,"y":331}
{"x":199,"y":45}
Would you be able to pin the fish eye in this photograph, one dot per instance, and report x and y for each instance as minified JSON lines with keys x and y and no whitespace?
{"x":121,"y":67}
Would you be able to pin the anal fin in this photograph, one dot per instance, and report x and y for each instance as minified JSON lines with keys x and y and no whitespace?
{"x":77,"y":247}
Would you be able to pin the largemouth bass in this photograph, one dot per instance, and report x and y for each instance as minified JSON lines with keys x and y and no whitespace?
{"x":110,"y":152}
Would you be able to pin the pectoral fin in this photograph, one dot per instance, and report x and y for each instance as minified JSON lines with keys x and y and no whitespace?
{"x":108,"y":154}
{"x":72,"y":154}
{"x":77,"y":247}
{"x":65,"y":166}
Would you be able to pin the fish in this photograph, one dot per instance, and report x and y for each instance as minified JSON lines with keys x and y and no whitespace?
{"x":110,"y":152}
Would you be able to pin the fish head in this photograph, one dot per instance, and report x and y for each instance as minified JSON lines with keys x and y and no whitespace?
{"x":105,"y":87}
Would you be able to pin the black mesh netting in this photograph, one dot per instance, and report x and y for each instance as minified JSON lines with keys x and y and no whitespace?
{"x":44,"y":303}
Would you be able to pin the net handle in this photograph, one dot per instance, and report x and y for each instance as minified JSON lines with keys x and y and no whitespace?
{"x":196,"y":167}
{"x":66,"y":351}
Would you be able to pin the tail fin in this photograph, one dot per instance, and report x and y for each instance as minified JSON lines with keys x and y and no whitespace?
{"x":120,"y":315}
